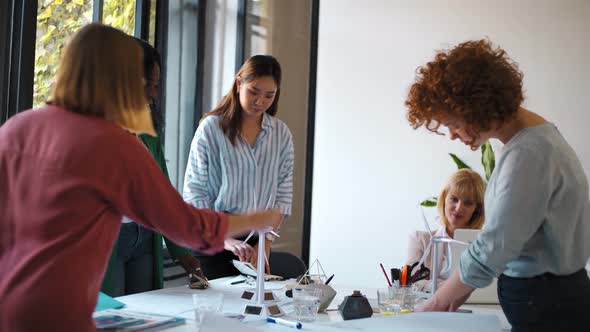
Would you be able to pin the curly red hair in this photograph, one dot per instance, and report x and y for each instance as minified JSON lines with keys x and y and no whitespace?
{"x":473,"y":82}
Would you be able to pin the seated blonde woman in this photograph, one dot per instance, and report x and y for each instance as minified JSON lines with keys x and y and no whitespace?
{"x":460,"y":205}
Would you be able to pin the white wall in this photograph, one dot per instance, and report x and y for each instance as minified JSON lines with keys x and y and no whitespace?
{"x":370,"y":168}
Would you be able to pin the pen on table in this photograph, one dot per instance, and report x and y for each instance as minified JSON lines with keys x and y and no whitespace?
{"x":285,"y":322}
{"x":238,"y":282}
{"x":385,"y":274}
{"x":329,"y":279}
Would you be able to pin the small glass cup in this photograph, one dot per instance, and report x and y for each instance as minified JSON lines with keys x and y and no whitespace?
{"x":386,"y":298}
{"x":206,"y":304}
{"x":406,"y":297}
{"x":306,"y":302}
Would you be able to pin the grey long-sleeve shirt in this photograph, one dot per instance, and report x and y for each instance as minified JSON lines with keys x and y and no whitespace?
{"x":537,"y":212}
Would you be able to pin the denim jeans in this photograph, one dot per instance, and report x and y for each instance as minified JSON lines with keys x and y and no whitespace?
{"x":134,"y":266}
{"x":547,"y":302}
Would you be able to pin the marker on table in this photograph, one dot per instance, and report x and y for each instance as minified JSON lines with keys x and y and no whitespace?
{"x":285,"y":322}
{"x":329,"y":279}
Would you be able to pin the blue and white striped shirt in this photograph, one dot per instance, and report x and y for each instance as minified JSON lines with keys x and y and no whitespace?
{"x":240,"y":179}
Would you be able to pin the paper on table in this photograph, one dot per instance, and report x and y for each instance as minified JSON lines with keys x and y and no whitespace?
{"x":430,"y":321}
{"x":226,"y":322}
{"x":486,"y":310}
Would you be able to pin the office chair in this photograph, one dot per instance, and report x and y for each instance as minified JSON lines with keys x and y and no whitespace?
{"x":286,"y":265}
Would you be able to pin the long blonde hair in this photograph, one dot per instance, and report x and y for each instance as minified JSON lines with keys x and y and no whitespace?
{"x":465,"y":184}
{"x":101,"y":74}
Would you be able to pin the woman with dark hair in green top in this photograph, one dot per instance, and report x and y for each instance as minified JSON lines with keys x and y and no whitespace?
{"x":136,"y":264}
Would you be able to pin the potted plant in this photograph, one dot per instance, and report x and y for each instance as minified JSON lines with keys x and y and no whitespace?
{"x":488,"y":160}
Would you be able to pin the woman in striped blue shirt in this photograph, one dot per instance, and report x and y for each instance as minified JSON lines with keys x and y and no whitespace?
{"x":241,"y":158}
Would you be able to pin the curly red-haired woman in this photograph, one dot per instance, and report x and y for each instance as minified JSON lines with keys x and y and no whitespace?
{"x":537,"y":210}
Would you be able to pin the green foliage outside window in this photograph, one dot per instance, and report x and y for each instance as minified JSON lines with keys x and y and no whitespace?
{"x":119,"y":14}
{"x":152,"y":26}
{"x":57,"y":20}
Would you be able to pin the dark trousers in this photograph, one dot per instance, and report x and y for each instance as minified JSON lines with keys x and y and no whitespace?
{"x":134,"y":268}
{"x":547,"y":302}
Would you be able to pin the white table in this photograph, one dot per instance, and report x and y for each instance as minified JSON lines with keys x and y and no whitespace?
{"x":177,"y":302}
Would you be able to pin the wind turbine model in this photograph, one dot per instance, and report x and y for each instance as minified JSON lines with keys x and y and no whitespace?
{"x":265,"y":304}
{"x":436,"y":240}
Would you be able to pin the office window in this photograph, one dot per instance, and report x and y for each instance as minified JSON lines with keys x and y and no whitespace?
{"x":57,"y":20}
{"x":258,"y":27}
{"x":120,"y":14}
{"x":152,"y":23}
{"x":35,"y":32}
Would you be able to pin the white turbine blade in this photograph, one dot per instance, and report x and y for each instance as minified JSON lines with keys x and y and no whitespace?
{"x":425,"y":220}
{"x":248,"y":237}
{"x":269,"y":203}
{"x":445,"y":239}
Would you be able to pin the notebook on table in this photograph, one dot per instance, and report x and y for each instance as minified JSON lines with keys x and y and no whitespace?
{"x":119,"y":320}
{"x":487,"y":295}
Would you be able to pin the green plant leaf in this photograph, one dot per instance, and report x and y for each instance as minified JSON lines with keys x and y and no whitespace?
{"x":429,"y":202}
{"x":460,"y":164}
{"x":45,"y":14}
{"x":488,"y":160}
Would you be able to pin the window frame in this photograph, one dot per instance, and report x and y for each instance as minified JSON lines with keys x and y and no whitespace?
{"x":18,"y":59}
{"x":18,"y":30}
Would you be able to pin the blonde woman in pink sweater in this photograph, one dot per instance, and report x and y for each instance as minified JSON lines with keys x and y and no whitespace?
{"x":460,"y":205}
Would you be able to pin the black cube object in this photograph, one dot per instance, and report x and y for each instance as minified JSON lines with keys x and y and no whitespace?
{"x":355,"y":306}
